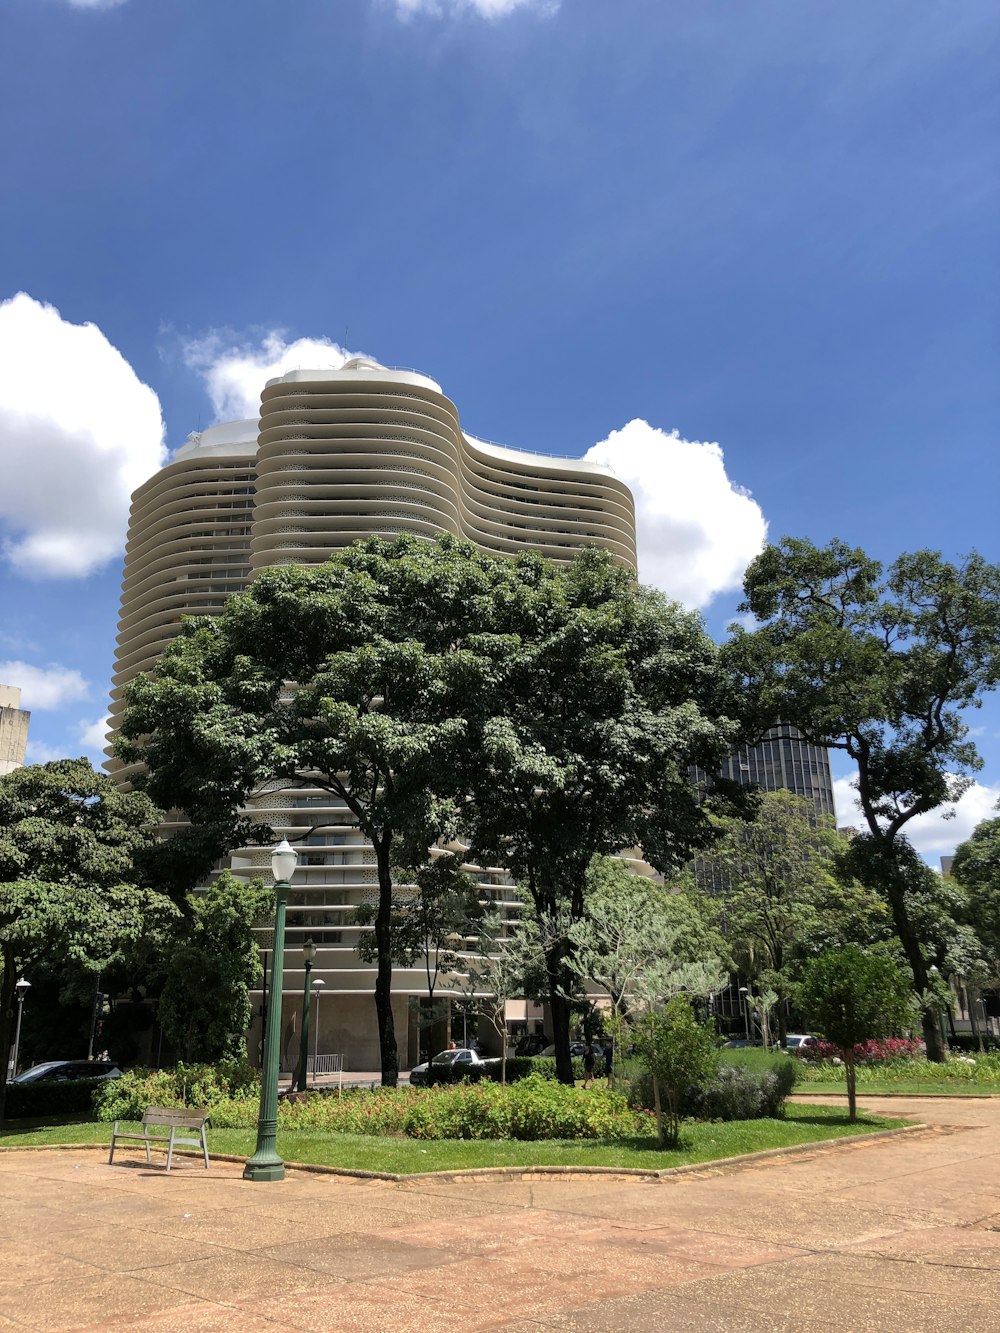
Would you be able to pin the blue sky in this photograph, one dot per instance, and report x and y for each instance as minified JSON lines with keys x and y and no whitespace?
{"x":773,"y":226}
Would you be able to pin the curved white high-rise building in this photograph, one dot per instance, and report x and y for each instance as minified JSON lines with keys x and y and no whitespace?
{"x":335,"y":456}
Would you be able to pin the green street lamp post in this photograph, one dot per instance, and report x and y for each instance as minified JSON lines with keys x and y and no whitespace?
{"x":308,"y":957}
{"x":265,"y":1164}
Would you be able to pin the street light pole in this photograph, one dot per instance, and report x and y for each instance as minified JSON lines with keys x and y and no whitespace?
{"x":308,"y":957}
{"x":744,"y":992}
{"x":21,"y":987}
{"x":317,"y":986}
{"x":265,"y":1164}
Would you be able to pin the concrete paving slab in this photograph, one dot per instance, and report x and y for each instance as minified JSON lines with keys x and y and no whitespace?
{"x":894,"y":1233}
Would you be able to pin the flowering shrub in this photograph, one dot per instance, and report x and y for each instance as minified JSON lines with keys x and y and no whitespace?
{"x":867,"y":1052}
{"x":740,"y":1092}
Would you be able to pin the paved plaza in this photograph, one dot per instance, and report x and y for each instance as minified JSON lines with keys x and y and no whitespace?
{"x":901,"y":1233}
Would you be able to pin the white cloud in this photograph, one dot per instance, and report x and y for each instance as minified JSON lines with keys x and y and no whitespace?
{"x":488,"y":9}
{"x":235,"y":372}
{"x":697,"y":530}
{"x":78,"y":433}
{"x":51,"y":686}
{"x":94,"y":735}
{"x":933,"y":835}
{"x":38,"y":752}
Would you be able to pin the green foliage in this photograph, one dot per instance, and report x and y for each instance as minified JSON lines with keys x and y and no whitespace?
{"x":635,"y":932}
{"x":38,"y":1100}
{"x":742,"y":1092}
{"x":977,"y":869}
{"x":69,"y":840}
{"x":534,"y":1108}
{"x":779,"y":893}
{"x":679,"y":1053}
{"x":852,"y":995}
{"x":612,"y":696}
{"x":518,"y":1067}
{"x":229,"y":1081}
{"x":205,"y":1006}
{"x":914,"y":647}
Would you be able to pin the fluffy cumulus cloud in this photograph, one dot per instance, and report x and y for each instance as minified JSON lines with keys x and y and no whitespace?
{"x":45,"y":687}
{"x":489,"y":9}
{"x":236,"y":371}
{"x":79,"y":431}
{"x":697,"y":530}
{"x":933,"y":835}
{"x":93,"y":736}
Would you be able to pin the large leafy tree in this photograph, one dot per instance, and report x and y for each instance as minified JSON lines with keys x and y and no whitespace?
{"x":212,"y":961}
{"x":69,"y":841}
{"x":359,"y":677}
{"x":880,"y":664}
{"x":778,"y":892}
{"x":612,"y":695}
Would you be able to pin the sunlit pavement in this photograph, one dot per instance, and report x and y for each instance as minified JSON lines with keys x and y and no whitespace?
{"x":900,"y":1233}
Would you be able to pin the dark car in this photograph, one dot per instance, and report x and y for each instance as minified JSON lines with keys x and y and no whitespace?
{"x":62,"y":1071}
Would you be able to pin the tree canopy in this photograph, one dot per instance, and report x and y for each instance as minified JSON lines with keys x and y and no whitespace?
{"x":69,"y":840}
{"x":360,"y":677}
{"x":881,"y":665}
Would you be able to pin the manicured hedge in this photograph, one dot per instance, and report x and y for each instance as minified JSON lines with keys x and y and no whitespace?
{"x":36,"y":1101}
{"x":518,"y":1067}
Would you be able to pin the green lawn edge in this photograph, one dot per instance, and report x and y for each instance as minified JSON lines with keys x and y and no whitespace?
{"x":900,"y":1088}
{"x":701,"y":1143}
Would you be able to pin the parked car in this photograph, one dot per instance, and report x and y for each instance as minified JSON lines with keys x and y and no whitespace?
{"x":461,"y":1056}
{"x":797,"y":1041}
{"x":62,"y":1071}
{"x":739,"y":1044}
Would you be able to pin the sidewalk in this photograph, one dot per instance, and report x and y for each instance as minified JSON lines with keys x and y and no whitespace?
{"x":901,"y":1233}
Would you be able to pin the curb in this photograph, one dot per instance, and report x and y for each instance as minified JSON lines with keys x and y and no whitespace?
{"x":910,"y":1096}
{"x":529,"y":1172}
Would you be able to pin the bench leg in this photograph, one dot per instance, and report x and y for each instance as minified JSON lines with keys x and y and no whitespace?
{"x":170,"y":1148}
{"x":204,"y":1146}
{"x":111,"y":1154}
{"x":148,"y":1158}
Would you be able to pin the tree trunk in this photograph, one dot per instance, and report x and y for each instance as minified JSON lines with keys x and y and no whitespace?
{"x":388,"y":1051}
{"x":658,"y":1107}
{"x":7,"y":993}
{"x":852,"y":1085}
{"x":972,"y":999}
{"x":782,"y":1008}
{"x":931,"y":1029}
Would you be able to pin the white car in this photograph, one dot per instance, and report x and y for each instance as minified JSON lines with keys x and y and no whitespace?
{"x":797,"y":1041}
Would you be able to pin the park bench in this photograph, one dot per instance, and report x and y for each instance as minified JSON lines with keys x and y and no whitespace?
{"x":173,"y":1118}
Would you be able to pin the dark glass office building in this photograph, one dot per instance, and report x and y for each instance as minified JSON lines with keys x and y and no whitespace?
{"x":784,"y":760}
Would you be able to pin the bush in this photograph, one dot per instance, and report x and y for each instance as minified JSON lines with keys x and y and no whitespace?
{"x":532,"y":1108}
{"x":868,"y":1053}
{"x":749,"y":1085}
{"x":742,"y":1092}
{"x":126,"y":1098}
{"x":37,"y":1101}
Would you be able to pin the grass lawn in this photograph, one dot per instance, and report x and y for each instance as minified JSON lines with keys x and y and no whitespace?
{"x":910,"y":1087}
{"x":699,"y":1143}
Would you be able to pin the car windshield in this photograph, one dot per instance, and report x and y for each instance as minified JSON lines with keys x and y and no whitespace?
{"x":446,"y":1057}
{"x":36,"y":1071}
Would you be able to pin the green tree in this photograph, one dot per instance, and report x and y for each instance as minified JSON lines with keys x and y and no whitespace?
{"x":631,"y":925}
{"x":679,"y":1053}
{"x":880,"y":664}
{"x":212,"y":962}
{"x":777,"y":890}
{"x":612,"y":695}
{"x":854,"y":995}
{"x":69,"y":840}
{"x":392,"y":650}
{"x":976,"y":868}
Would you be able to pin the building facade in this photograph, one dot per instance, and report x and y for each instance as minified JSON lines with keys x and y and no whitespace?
{"x":13,"y":729}
{"x":337,"y":455}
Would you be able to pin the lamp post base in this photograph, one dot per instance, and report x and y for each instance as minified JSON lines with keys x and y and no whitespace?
{"x":273,"y":1170}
